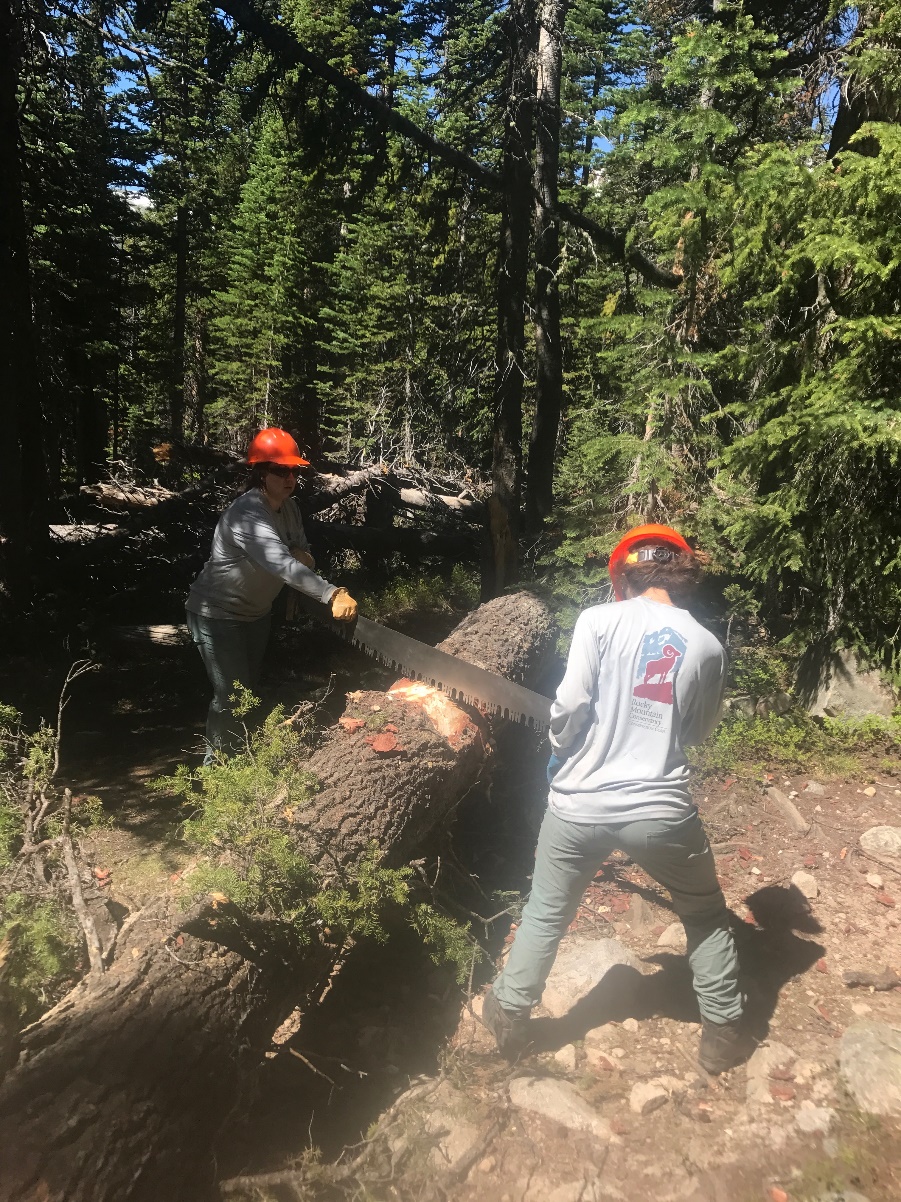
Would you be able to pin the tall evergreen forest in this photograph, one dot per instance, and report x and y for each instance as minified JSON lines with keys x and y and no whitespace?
{"x":599,"y":261}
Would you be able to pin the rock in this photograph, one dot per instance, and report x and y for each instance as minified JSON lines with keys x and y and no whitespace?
{"x":811,"y":1118}
{"x":486,"y":1165}
{"x":882,"y":840}
{"x":847,"y":687}
{"x":580,"y":965}
{"x":777,"y":703}
{"x":641,"y":914}
{"x":869,"y":791}
{"x":566,"y":1057}
{"x":814,"y":787}
{"x":631,"y":1025}
{"x":768,"y":1059}
{"x":647,"y":1096}
{"x":559,"y":1102}
{"x":789,"y":810}
{"x":870,"y":1059}
{"x":602,"y":1037}
{"x":599,"y":1060}
{"x":447,"y":1117}
{"x":673,"y":937}
{"x":874,"y":880}
{"x":807,"y":883}
{"x":805,"y":1070}
{"x":743,"y":704}
{"x":672,"y":1084}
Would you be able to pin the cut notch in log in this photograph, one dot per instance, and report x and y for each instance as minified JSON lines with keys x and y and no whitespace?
{"x":121,"y":1091}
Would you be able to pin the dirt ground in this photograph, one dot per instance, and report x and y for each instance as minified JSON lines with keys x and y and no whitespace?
{"x":393,"y":1017}
{"x":730,"y":1138}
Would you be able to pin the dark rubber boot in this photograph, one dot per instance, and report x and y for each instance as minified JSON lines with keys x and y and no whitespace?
{"x":509,"y":1029}
{"x":724,"y":1045}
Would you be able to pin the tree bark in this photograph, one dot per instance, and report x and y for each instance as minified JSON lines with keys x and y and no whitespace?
{"x":179,"y":326}
{"x":548,"y":344}
{"x":120,"y":1091}
{"x":501,"y":559}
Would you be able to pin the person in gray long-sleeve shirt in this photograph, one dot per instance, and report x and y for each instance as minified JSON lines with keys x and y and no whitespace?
{"x":643,"y":681}
{"x":258,"y":547}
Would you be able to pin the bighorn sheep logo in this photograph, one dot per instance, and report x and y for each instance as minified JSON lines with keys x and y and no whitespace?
{"x":659,"y":669}
{"x":658,"y":665}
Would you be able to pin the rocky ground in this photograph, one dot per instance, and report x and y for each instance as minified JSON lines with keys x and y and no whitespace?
{"x":615,"y":1106}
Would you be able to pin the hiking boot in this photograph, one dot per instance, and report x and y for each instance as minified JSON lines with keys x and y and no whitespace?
{"x":509,"y":1029}
{"x":724,"y":1045}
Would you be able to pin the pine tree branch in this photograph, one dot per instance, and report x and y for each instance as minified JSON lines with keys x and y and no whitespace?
{"x":288,"y":50}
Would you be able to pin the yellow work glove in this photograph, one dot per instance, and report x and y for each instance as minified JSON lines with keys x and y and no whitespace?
{"x":344,"y":608}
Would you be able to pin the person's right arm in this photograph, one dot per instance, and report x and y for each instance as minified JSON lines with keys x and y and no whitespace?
{"x":256,"y":536}
{"x":571,"y":709}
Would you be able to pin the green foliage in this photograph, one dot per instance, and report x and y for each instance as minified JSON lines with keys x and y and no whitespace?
{"x":795,"y":741}
{"x":448,"y":941}
{"x":45,"y":944}
{"x":45,"y":953}
{"x":424,"y":593}
{"x":244,"y":811}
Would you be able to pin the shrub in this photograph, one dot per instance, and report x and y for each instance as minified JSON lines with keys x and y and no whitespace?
{"x":242,"y":814}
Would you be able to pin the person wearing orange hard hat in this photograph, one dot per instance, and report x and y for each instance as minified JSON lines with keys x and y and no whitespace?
{"x":643,"y":680}
{"x":258,"y":547}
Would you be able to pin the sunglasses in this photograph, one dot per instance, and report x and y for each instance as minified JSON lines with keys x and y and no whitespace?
{"x":284,"y":472}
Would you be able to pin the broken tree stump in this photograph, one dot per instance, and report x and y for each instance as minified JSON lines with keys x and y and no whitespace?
{"x":120,"y":1091}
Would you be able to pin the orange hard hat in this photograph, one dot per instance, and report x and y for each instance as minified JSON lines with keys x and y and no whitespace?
{"x":275,"y":446}
{"x":651,"y":533}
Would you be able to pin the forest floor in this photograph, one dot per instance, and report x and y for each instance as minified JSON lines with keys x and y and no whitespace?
{"x":784,"y":1127}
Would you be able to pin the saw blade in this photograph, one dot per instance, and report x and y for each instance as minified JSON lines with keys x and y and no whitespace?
{"x":460,"y":680}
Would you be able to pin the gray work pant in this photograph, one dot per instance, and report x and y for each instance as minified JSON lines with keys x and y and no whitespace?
{"x":675,"y":852}
{"x":231,"y":652}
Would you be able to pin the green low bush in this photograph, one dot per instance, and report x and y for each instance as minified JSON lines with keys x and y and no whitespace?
{"x":795,"y":741}
{"x":425,"y":593}
{"x":242,"y":814}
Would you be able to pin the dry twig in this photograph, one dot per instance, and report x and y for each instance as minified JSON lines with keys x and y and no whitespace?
{"x":86,"y":922}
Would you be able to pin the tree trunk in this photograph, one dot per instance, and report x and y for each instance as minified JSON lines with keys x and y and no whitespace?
{"x":501,"y":559}
{"x":121,"y":1090}
{"x":179,"y":326}
{"x":23,"y":508}
{"x":548,"y":345}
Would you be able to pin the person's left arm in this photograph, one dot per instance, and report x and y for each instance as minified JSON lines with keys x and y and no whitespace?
{"x":706,"y":704}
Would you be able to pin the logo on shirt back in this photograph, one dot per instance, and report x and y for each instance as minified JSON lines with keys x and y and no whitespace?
{"x":661,"y":654}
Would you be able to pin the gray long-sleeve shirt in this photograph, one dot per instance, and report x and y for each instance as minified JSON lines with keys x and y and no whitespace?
{"x":251,"y":560}
{"x":643,"y":681}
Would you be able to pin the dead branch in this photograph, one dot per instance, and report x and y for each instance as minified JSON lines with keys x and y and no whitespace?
{"x":86,"y":922}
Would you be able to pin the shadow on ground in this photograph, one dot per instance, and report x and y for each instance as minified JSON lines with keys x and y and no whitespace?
{"x":770,"y":954}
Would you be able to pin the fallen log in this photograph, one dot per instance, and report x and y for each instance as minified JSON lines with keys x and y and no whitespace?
{"x":406,"y":541}
{"x":120,"y":1092}
{"x":124,"y":498}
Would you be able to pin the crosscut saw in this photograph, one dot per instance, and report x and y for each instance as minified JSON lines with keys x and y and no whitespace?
{"x":460,"y":680}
